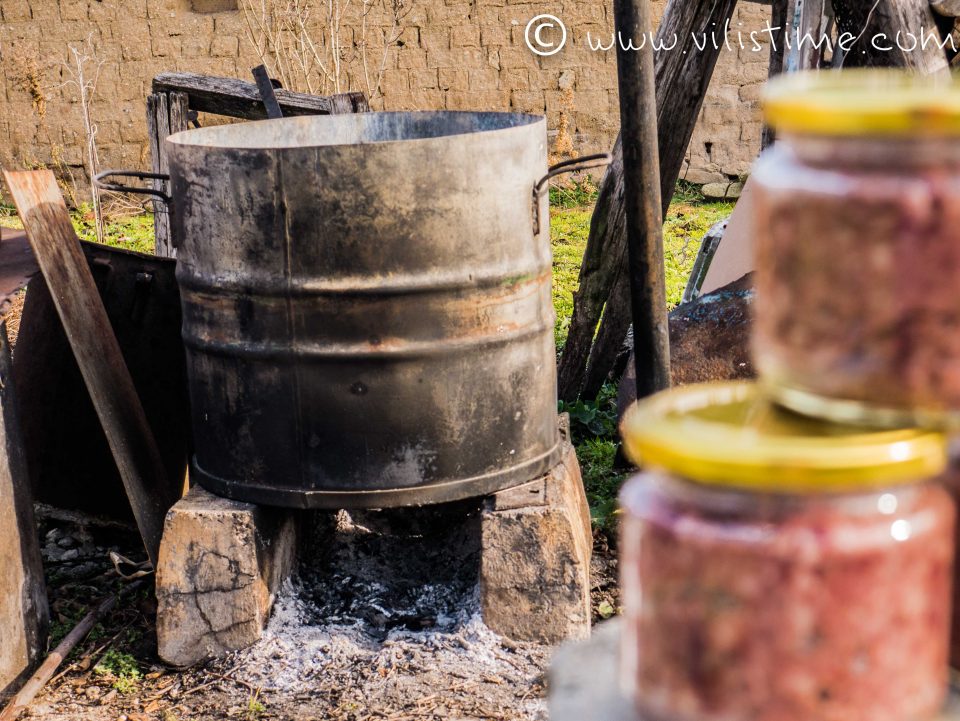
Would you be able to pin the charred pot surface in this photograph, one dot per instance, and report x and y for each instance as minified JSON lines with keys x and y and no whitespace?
{"x":367,"y":308}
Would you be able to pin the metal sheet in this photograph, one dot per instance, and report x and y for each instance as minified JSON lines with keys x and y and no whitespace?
{"x":17,"y":264}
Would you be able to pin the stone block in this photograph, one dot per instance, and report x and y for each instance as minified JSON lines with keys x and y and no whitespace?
{"x":220,"y":564}
{"x":15,"y":10}
{"x":536,"y":544}
{"x":722,"y":191}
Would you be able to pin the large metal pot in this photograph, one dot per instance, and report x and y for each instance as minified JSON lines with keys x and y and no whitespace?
{"x":367,"y":306}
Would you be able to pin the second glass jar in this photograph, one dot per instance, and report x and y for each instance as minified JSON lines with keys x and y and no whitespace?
{"x":857,"y":240}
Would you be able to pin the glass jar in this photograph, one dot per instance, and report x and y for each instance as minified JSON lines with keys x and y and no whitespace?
{"x":776,"y":568}
{"x":857,"y":242}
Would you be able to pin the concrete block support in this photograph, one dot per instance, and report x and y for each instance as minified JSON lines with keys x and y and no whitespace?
{"x":221,"y":562}
{"x":535,"y":557}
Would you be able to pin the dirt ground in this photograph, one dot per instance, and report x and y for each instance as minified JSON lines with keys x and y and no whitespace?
{"x":351,"y":639}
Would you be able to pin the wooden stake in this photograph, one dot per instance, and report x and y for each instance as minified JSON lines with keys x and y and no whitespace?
{"x":641,"y":181}
{"x":57,"y":249}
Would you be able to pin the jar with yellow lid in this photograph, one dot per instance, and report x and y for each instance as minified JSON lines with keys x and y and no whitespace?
{"x":857,"y":240}
{"x":779,"y":568}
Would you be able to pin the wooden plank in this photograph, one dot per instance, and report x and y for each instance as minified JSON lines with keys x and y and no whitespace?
{"x":236,"y":98}
{"x":810,"y":17}
{"x":57,"y":249}
{"x":24,"y":617}
{"x":641,"y":200}
{"x":178,"y":113}
{"x":781,"y":14}
{"x":178,"y":104}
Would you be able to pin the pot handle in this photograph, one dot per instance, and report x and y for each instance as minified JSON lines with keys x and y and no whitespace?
{"x":103,"y":182}
{"x":574,"y":165}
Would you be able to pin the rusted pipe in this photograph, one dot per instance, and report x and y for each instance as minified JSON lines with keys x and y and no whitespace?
{"x":641,"y":179}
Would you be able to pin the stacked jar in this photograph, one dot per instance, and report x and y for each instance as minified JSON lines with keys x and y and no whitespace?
{"x":788,"y":549}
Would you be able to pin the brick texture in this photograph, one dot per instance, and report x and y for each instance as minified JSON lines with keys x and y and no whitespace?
{"x":453,"y":54}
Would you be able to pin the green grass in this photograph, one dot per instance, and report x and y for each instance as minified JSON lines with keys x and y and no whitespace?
{"x":687,"y":220}
{"x":132,"y":232}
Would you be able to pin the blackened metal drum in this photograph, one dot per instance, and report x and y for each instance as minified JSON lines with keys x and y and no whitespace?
{"x":367,"y":306}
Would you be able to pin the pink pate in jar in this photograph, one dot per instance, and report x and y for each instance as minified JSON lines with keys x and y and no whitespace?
{"x":776,"y":568}
{"x":857,"y":242}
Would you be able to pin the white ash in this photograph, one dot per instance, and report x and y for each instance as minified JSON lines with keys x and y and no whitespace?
{"x":388,"y":621}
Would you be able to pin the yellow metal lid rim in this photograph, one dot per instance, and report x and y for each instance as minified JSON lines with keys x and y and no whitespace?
{"x":863,"y":102}
{"x":669,"y":432}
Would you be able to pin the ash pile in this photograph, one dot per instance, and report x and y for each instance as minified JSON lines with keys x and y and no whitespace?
{"x":383,"y":620}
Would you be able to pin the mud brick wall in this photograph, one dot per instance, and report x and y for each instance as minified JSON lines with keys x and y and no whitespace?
{"x":455,"y":54}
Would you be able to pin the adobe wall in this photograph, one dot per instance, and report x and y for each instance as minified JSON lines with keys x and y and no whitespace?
{"x":455,"y":54}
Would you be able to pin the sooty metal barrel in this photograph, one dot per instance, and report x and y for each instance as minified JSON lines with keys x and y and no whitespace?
{"x":367,"y":308}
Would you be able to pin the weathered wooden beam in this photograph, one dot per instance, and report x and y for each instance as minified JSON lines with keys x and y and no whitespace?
{"x":24,"y":616}
{"x":158,"y":128}
{"x":682,"y":77}
{"x":810,"y":17}
{"x":240,"y":99}
{"x":62,"y":262}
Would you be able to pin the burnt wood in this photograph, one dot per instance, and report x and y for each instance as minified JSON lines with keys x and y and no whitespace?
{"x":267,"y":93}
{"x":57,"y":249}
{"x":781,"y":14}
{"x":166,"y":114}
{"x":682,"y":77}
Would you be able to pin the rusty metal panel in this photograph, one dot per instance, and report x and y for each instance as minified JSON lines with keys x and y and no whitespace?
{"x":69,"y":460}
{"x":367,"y":308}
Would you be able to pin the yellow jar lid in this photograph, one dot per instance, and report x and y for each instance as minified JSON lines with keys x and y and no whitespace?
{"x":730,"y":434}
{"x":863,"y":102}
